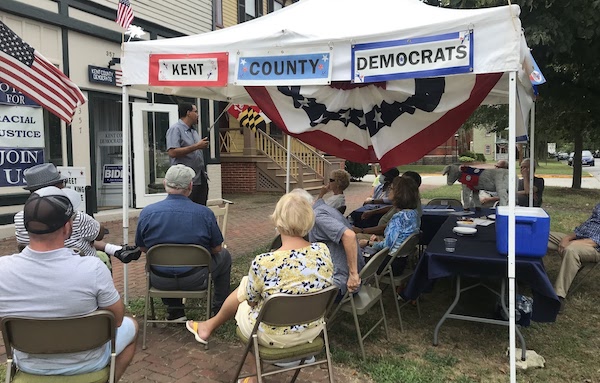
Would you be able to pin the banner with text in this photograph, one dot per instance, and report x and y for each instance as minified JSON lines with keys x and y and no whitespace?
{"x":200,"y":69}
{"x":267,"y":68}
{"x":431,"y":56}
{"x":11,"y":96}
{"x":21,"y":142}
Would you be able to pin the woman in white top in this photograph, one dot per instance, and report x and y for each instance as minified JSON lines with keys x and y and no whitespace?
{"x":339,"y":180}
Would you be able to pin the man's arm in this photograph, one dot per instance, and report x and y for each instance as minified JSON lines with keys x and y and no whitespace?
{"x":216,"y":249}
{"x":183,"y":151}
{"x":377,"y":230}
{"x":351,"y":249}
{"x":118,"y":309}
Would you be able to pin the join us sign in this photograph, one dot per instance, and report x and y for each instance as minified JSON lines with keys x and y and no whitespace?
{"x":431,"y":56}
{"x":200,"y":69}
{"x":282,"y":68}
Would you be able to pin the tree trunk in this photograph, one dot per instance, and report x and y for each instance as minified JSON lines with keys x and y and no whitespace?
{"x":578,"y":142}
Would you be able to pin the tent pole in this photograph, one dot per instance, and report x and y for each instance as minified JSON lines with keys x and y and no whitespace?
{"x":512,"y":142}
{"x":125,"y":173}
{"x":531,"y":152}
{"x":289,"y":160}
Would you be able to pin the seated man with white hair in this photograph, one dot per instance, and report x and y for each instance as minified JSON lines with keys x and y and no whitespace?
{"x":332,"y":229}
{"x":177,"y":219}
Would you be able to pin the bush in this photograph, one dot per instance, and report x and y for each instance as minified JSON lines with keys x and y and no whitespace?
{"x":467,"y":154}
{"x":466,"y":159}
{"x":479,"y":157}
{"x":356,"y":170}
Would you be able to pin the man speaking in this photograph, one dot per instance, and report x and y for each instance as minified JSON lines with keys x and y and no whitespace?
{"x":184,"y":146}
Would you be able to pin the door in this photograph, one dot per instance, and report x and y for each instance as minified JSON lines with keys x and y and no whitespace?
{"x":150,"y":158}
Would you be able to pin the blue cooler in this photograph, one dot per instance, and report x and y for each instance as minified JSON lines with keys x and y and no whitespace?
{"x":532,"y":229}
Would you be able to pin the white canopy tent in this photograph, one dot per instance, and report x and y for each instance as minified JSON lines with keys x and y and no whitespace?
{"x":337,"y":35}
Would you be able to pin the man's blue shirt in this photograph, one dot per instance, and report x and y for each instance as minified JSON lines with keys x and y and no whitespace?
{"x":177,"y":219}
{"x":591,"y":227}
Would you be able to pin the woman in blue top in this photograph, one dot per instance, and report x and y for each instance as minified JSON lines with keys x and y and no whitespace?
{"x":405,"y":197}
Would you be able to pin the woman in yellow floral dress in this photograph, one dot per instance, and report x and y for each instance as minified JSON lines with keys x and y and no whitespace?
{"x":297,"y":267}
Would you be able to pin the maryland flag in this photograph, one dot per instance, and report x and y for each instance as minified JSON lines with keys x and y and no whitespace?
{"x":249,"y":116}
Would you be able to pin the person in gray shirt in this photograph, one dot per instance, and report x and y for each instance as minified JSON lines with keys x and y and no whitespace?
{"x":184,"y":146}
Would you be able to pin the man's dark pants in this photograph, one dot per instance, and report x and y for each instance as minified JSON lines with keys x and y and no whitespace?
{"x":200,"y":192}
{"x":221,"y":271}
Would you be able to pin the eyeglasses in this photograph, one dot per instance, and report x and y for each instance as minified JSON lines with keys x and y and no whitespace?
{"x":524,"y":167}
{"x":331,"y":180}
{"x":194,"y":111}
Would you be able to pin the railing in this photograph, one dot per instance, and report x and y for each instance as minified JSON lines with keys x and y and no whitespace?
{"x":277,"y":153}
{"x":230,"y":139}
{"x":311,"y":157}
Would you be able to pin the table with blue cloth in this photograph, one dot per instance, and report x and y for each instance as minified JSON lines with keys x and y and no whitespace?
{"x":476,"y":256}
{"x":434,"y":217}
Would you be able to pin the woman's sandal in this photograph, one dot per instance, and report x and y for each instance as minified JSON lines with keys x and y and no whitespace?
{"x":192,"y":327}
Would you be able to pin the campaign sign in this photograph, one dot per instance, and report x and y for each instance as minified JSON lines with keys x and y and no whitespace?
{"x":76,"y":181}
{"x":283,"y":69}
{"x":14,"y":161}
{"x":110,"y":138}
{"x":112,"y":174}
{"x":431,"y":56}
{"x":11,"y":96}
{"x":200,"y":69}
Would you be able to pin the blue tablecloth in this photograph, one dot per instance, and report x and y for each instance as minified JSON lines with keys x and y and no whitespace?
{"x":476,"y":256}
{"x":434,"y":217}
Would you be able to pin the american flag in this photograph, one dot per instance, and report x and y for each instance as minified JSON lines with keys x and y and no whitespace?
{"x":124,"y":14}
{"x":23,"y":68}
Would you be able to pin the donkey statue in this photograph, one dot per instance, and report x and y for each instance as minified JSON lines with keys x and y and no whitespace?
{"x":473,"y":180}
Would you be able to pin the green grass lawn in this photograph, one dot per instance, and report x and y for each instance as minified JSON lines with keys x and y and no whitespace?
{"x":468,"y":352}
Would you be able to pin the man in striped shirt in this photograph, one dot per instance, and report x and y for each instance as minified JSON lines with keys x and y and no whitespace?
{"x":87,"y":232}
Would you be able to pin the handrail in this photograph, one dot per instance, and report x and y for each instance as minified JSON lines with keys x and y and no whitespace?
{"x":278,"y":153}
{"x":228,"y":142}
{"x":316,"y":161}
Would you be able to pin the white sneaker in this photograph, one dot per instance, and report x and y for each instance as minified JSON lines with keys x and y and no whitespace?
{"x":295,"y":363}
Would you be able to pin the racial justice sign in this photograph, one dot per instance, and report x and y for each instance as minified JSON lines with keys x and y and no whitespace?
{"x":199,"y":69}
{"x":283,"y":68}
{"x":431,"y":56}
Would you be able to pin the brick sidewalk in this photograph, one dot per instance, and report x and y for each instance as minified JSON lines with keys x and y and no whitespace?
{"x":172,"y":354}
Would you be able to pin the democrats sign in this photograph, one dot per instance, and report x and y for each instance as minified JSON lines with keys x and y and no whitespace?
{"x":283,"y":69}
{"x":432,"y":56}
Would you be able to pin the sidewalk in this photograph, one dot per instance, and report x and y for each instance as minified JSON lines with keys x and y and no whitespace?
{"x":172,"y":354}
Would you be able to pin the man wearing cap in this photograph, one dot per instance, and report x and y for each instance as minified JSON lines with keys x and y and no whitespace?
{"x":184,"y":146}
{"x":179,"y":220}
{"x":87,"y":232}
{"x":48,"y":280}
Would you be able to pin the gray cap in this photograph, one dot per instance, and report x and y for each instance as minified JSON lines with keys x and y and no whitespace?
{"x":179,"y":176}
{"x":42,"y":175}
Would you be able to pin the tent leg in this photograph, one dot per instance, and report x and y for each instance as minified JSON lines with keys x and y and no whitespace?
{"x":125,"y":172}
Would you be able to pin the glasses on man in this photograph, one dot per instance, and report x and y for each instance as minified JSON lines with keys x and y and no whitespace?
{"x":331,"y":180}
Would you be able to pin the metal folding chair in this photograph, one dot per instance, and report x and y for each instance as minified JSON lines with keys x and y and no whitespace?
{"x":59,"y":336}
{"x":407,"y":249}
{"x":586,"y":269}
{"x":367,"y":297}
{"x":289,"y":310}
{"x":179,"y":256}
{"x":445,"y":201}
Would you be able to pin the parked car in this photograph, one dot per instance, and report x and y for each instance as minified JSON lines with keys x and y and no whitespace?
{"x":586,"y":158}
{"x":562,"y":156}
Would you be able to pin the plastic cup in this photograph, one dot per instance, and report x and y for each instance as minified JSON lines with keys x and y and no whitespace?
{"x":450,"y":244}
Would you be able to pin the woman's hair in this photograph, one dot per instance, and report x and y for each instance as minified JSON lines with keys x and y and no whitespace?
{"x":405,"y":193}
{"x":341,"y":177}
{"x":293,"y":215}
{"x":414,"y":175}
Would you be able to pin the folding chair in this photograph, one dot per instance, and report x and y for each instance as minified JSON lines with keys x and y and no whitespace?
{"x":590,"y":266}
{"x":342,"y":209}
{"x":367,"y":297}
{"x":221,"y":213}
{"x":179,"y":256}
{"x":445,"y":201}
{"x":58,"y":336}
{"x":289,"y":310}
{"x":407,"y":249}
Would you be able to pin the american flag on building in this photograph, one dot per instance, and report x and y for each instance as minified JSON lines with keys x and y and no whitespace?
{"x":124,"y":14}
{"x":23,"y":68}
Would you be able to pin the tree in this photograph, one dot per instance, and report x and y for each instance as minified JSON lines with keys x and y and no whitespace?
{"x":565,"y":40}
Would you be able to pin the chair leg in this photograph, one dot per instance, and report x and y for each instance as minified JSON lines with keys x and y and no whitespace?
{"x":328,"y":354}
{"x":297,"y":372}
{"x":395,"y":298}
{"x":257,"y":358}
{"x":385,"y":326}
{"x":145,"y":321}
{"x":153,"y":316}
{"x":358,"y":333}
{"x":241,"y":365}
{"x":418,"y":308}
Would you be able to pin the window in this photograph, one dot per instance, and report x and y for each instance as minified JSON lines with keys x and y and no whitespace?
{"x":274,"y":5}
{"x":249,"y":9}
{"x":488,"y":149}
{"x":218,"y":13}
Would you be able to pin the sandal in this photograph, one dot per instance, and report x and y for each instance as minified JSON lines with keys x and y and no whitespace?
{"x":192,"y":327}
